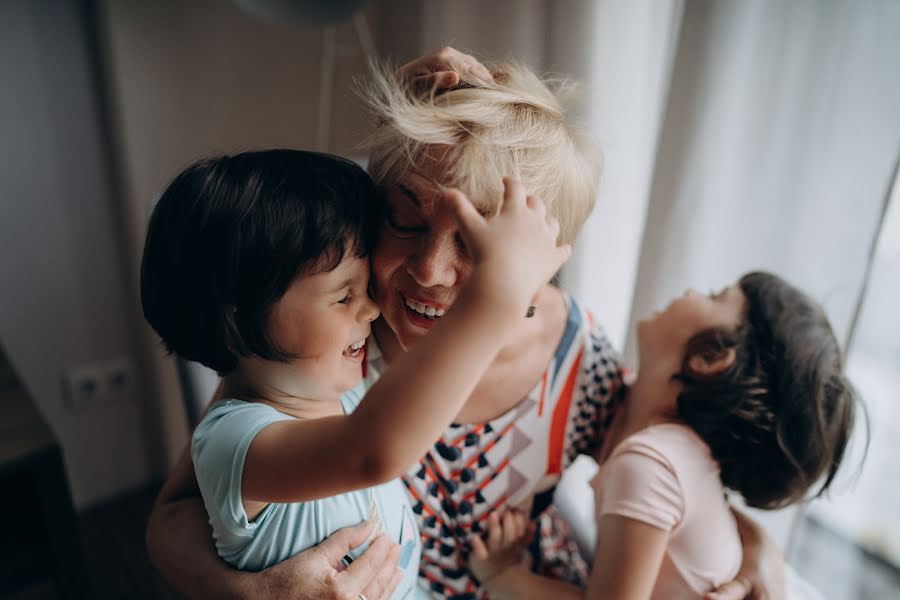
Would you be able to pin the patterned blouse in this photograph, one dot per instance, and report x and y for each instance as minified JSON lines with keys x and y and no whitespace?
{"x":515,"y":460}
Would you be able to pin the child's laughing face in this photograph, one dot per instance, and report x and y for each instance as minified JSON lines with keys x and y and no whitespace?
{"x":324,"y":320}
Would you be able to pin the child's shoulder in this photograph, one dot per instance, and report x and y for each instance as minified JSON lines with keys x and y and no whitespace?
{"x":231,"y":407}
{"x":232,"y":419}
{"x":673,"y":443}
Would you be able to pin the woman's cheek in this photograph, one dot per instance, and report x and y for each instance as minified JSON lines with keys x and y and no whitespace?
{"x":389,"y":255}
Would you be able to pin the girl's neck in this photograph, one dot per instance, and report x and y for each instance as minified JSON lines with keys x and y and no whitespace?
{"x":240,"y":387}
{"x":651,"y":400}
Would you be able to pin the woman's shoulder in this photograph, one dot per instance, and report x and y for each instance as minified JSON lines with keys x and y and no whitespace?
{"x":585,"y":336}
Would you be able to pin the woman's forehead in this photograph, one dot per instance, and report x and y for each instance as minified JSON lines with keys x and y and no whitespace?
{"x":427,"y":188}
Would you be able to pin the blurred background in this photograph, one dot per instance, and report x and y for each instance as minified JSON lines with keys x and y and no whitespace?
{"x":737,"y":135}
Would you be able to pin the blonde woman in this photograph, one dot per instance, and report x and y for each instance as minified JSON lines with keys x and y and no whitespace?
{"x":547,"y":397}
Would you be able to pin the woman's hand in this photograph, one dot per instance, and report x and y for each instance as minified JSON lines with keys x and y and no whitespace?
{"x":442,"y":70}
{"x":762,"y":571}
{"x":316,"y":572}
{"x":507,"y":539}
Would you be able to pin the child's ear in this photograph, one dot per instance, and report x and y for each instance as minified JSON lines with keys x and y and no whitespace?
{"x":708,"y":366}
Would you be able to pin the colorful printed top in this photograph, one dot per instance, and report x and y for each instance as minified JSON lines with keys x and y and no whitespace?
{"x":514,"y":460}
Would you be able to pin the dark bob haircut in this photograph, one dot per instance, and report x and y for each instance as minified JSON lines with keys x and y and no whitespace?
{"x":229,"y":235}
{"x":779,"y":418}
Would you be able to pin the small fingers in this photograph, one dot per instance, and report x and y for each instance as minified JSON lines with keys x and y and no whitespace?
{"x":495,"y":532}
{"x":517,"y":527}
{"x":537,"y":206}
{"x":522,"y":530}
{"x":508,"y":533}
{"x":513,"y":194}
{"x":479,"y":550}
{"x":467,"y":216}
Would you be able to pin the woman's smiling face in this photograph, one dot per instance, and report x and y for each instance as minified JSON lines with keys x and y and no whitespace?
{"x":420,"y":262}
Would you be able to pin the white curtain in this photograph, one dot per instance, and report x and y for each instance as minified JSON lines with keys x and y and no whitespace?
{"x":751,"y":134}
{"x":777,"y":149}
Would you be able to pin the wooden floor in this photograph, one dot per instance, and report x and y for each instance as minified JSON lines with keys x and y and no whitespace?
{"x":113,"y":538}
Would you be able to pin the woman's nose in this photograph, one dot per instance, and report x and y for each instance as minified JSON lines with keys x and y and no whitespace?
{"x":435,"y":262}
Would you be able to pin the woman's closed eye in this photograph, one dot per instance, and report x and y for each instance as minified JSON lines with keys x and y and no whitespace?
{"x":404,"y":226}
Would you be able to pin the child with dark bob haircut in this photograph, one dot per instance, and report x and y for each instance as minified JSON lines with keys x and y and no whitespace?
{"x":256,"y":265}
{"x":743,"y":389}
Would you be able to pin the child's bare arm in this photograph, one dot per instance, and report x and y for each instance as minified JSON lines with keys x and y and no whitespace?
{"x":514,"y":254}
{"x":627,"y":570}
{"x":497,"y":562}
{"x":628,"y":562}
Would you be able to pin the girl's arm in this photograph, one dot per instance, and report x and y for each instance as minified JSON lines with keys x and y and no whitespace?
{"x":629,"y":564}
{"x":514,"y":254}
{"x":626,"y":570}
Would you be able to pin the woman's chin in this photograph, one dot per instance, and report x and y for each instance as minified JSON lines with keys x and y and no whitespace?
{"x":407,"y":332}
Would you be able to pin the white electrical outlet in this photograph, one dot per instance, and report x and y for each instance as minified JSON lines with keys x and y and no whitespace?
{"x":82,"y":387}
{"x":91,"y":385}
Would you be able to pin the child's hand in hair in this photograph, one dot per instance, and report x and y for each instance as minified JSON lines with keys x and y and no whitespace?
{"x":507,"y":538}
{"x":514,"y":253}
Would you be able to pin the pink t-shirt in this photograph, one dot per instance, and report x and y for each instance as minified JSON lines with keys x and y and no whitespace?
{"x":665,"y":476}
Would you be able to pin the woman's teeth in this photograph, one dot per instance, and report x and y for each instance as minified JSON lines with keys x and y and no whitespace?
{"x":425,"y":311}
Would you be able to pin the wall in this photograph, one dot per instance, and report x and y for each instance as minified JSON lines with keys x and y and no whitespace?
{"x":63,"y":296}
{"x":189,"y":79}
{"x":177,"y":80}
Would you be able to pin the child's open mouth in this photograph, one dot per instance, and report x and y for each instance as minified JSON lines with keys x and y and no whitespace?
{"x":355,"y":350}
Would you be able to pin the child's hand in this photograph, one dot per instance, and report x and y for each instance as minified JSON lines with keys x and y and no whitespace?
{"x":514,"y":253}
{"x":507,"y":539}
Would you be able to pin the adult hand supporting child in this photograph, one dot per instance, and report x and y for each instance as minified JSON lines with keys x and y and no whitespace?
{"x":762,"y":571}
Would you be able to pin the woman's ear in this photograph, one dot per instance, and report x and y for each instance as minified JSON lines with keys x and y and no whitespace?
{"x":708,"y":366}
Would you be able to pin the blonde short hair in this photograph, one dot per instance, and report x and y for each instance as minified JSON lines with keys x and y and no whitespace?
{"x":477,"y":133}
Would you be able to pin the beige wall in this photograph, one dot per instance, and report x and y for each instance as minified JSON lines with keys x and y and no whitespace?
{"x":63,"y":281}
{"x":188,"y":79}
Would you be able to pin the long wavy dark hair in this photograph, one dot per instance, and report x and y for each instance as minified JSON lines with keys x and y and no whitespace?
{"x":778,"y":419}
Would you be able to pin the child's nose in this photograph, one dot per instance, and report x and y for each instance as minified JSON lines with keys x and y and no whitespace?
{"x":369,"y":311}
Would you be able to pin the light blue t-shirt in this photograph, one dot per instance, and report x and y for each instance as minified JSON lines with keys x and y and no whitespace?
{"x":219,"y":447}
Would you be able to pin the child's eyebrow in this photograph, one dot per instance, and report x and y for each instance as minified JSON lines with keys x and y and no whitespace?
{"x":346,"y":283}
